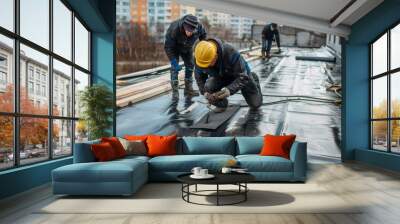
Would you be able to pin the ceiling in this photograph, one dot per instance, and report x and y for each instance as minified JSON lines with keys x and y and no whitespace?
{"x":327,"y":16}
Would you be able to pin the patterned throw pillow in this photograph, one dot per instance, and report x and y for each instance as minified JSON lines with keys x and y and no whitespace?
{"x":134,"y":147}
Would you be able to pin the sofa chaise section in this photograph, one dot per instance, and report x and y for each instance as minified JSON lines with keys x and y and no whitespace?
{"x":87,"y":177}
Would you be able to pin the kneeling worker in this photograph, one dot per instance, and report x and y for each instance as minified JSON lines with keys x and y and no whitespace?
{"x":221,"y":71}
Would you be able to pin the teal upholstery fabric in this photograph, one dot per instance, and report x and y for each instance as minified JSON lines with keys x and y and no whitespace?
{"x":257,"y":163}
{"x":298,"y":155}
{"x":119,"y":177}
{"x":208,"y":145}
{"x":185,"y":163}
{"x":249,"y":145}
{"x":83,"y":152}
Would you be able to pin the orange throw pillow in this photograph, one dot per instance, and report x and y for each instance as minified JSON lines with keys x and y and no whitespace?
{"x":103,"y":152}
{"x":136,"y":137}
{"x":277,"y":145}
{"x":116,"y":145}
{"x":161,"y":145}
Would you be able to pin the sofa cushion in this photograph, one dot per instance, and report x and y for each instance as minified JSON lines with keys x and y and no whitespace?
{"x":257,"y":163}
{"x":103,"y":152}
{"x":83,"y":152}
{"x":133,"y":157}
{"x":161,"y":145}
{"x":277,"y":145}
{"x":134,"y":147}
{"x":249,"y":145}
{"x":136,"y":137}
{"x":112,"y":171}
{"x":116,"y":145}
{"x":208,"y":145}
{"x":185,"y":163}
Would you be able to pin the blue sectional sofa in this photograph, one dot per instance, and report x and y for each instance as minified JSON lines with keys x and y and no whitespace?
{"x":125,"y":176}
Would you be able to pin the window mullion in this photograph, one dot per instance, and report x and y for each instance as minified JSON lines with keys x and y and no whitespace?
{"x":16,"y":84}
{"x":389,"y":94}
{"x":50,"y":81}
{"x":73,"y":81}
{"x":371,"y":142}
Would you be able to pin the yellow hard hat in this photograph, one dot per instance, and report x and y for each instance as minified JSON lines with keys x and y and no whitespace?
{"x":205,"y":52}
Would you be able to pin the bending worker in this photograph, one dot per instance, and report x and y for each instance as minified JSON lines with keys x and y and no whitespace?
{"x":180,"y":38}
{"x":269,"y":33}
{"x":221,"y":71}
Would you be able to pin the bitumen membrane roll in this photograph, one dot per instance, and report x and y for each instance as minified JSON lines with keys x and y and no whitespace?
{"x":314,"y":58}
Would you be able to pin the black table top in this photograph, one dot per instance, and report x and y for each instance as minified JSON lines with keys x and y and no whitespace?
{"x":220,"y":178}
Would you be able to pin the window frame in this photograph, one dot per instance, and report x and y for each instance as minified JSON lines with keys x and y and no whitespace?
{"x":16,"y":114}
{"x":388,"y":74}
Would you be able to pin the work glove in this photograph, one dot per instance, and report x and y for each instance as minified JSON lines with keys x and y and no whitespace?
{"x":211,"y":98}
{"x":223,"y":93}
{"x":175,"y":65}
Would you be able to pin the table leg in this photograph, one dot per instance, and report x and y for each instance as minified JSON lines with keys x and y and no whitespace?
{"x":245,"y":193}
{"x":217,"y":194}
{"x":182,"y":188}
{"x":196,"y":187}
{"x":188,"y":190}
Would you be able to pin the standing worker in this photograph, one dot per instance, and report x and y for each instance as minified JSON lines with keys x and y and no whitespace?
{"x":221,"y":72}
{"x":269,"y":33}
{"x":179,"y":40}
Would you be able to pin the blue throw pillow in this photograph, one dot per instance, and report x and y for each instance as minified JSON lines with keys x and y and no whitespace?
{"x":249,"y":145}
{"x":208,"y":145}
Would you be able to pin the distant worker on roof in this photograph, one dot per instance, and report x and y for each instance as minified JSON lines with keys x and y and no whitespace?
{"x":269,"y":33}
{"x":221,"y":71}
{"x":179,"y":41}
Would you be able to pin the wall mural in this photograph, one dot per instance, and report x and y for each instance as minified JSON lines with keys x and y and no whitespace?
{"x":248,"y":78}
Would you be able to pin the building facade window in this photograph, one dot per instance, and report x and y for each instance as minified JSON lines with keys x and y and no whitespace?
{"x":40,"y":124}
{"x":385,"y":92}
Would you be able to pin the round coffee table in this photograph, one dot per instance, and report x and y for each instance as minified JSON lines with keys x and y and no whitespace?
{"x":238,"y":179}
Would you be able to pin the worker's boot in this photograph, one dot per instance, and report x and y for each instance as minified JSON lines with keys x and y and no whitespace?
{"x":189,"y":91}
{"x":175,"y":90}
{"x":262,"y":54}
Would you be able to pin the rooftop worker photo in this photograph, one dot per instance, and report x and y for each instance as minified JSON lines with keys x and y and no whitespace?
{"x":179,"y":40}
{"x":221,"y":71}
{"x":269,"y":33}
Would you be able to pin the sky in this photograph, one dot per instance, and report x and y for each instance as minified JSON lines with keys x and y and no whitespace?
{"x":380,"y":65}
{"x":35,"y":27}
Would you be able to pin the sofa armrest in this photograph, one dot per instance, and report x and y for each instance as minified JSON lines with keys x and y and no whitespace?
{"x":83,"y":152}
{"x":298,"y":155}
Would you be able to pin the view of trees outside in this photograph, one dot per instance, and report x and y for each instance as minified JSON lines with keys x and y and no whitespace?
{"x":380,"y":129}
{"x":141,"y":26}
{"x":380,"y":132}
{"x":33,"y":131}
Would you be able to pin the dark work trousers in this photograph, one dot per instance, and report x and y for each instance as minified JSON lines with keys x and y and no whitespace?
{"x":187,"y":58}
{"x":266,"y":45}
{"x":251,"y":91}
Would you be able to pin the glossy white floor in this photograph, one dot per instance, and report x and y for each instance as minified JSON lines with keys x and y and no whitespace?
{"x":378,"y":189}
